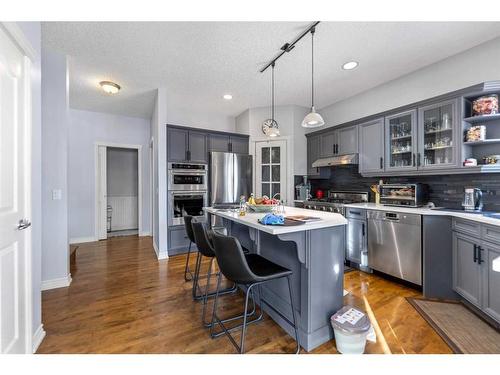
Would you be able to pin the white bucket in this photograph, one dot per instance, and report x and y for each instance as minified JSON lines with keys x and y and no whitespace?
{"x":350,"y":343}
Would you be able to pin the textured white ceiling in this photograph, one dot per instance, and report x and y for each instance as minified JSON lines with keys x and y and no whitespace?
{"x":198,"y":62}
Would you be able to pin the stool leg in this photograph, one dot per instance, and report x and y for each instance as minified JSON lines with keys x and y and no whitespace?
{"x":205,"y":297}
{"x":215,"y":304}
{"x":196,"y":277}
{"x":186,"y":269}
{"x":293,"y":315}
{"x":244,"y":327}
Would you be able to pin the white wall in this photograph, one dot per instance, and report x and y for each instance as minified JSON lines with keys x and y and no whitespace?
{"x":121,"y":171}
{"x":85,"y":129}
{"x":32,"y":30}
{"x":55,"y":254}
{"x":465,"y":69}
{"x":199,"y":119}
{"x":158,"y":130}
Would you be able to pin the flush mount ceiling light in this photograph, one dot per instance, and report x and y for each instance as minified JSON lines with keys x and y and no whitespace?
{"x":350,"y":65}
{"x":270,"y":126}
{"x":109,"y":87}
{"x":227,"y":96}
{"x":313,"y":119}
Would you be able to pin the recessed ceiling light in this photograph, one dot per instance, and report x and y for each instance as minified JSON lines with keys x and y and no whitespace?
{"x":350,"y":65}
{"x":109,"y":87}
{"x":228,"y":96}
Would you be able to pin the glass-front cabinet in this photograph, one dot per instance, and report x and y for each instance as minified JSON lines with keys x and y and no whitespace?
{"x":438,"y":135}
{"x":401,"y":138}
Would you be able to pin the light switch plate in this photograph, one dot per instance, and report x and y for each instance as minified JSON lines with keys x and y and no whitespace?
{"x":56,"y":194}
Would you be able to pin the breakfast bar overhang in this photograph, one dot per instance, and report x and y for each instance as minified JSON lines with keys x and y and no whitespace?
{"x":314,"y":251}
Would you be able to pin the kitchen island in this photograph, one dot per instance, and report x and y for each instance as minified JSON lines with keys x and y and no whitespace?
{"x":314,"y":251}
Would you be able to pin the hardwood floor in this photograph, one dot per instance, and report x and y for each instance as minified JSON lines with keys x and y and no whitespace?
{"x":123,"y":300}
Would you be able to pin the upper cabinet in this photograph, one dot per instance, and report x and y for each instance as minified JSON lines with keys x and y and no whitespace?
{"x":197,"y":147}
{"x":313,"y":154}
{"x":347,"y":139}
{"x":371,"y":146}
{"x":438,"y":133}
{"x":218,"y":142}
{"x":401,"y":141}
{"x":177,"y":144}
{"x":328,"y":144}
{"x":238,"y":145}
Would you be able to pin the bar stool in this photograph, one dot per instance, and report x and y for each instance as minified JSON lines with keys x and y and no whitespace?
{"x":202,"y":238}
{"x":189,"y":231}
{"x":248,"y":270}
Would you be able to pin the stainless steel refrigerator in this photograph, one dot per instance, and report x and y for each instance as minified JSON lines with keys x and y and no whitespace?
{"x":230,"y":178}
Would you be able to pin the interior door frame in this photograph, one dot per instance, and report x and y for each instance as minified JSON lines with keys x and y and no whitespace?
{"x":97,"y":174}
{"x":17,"y":35}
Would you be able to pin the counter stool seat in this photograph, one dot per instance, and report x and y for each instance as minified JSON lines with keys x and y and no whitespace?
{"x":265,"y":269}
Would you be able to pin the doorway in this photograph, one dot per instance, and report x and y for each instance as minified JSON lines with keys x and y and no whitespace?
{"x":271,"y":169}
{"x":118,"y":190}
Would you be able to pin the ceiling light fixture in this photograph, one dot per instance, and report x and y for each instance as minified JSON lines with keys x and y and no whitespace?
{"x":313,"y":119}
{"x":270,"y":126}
{"x":227,"y":96}
{"x":109,"y":87}
{"x":350,"y":65}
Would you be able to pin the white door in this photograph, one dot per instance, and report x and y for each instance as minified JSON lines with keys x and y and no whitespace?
{"x":15,"y":199}
{"x":270,"y":169}
{"x":102,"y":232}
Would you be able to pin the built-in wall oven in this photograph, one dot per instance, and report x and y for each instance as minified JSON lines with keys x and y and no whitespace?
{"x":182,"y":203}
{"x":187,"y":177}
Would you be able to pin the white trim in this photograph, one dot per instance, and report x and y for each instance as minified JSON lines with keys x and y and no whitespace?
{"x":17,"y":35}
{"x":82,"y":240}
{"x":38,"y":337}
{"x":145,"y":234}
{"x":56,"y":283}
{"x":159,"y":255}
{"x":139,"y":182}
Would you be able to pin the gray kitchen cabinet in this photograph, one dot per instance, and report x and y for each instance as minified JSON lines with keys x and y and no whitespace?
{"x":328,"y":144}
{"x":177,"y":144}
{"x":218,"y":142}
{"x":197,"y":147}
{"x":347,"y":139}
{"x":313,"y":154}
{"x":466,"y":270}
{"x":371,"y":146}
{"x":401,"y":141}
{"x":238,"y":145}
{"x":439,"y":135}
{"x":490,"y":254}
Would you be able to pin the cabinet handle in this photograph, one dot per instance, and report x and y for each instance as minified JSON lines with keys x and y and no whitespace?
{"x":418,"y":159}
{"x":188,"y":155}
{"x":479,"y":250}
{"x":363,"y":229}
{"x":230,"y":146}
{"x":414,"y":161}
{"x":337,"y":148}
{"x":381,"y":162}
{"x":475,"y":254}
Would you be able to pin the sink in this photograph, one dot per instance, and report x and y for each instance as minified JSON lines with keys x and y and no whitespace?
{"x":494,"y":215}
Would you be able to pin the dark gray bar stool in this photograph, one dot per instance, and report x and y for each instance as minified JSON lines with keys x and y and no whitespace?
{"x":189,"y":231}
{"x":248,"y":270}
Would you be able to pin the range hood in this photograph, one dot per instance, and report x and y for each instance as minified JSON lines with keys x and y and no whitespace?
{"x":336,"y":160}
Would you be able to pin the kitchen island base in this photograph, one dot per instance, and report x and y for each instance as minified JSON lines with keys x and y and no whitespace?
{"x":316,"y":258}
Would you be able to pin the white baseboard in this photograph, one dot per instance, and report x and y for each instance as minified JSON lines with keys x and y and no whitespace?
{"x":56,"y":283}
{"x":38,"y":337}
{"x":82,"y":240}
{"x":144,"y":234}
{"x":158,"y":254}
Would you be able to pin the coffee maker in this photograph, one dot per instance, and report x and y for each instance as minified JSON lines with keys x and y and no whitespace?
{"x":303,"y":190}
{"x":473,"y":199}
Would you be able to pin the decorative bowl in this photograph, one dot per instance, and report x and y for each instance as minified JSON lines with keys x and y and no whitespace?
{"x":261,"y":208}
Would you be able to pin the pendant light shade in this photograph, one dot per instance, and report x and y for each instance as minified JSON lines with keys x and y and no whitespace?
{"x":313,"y":119}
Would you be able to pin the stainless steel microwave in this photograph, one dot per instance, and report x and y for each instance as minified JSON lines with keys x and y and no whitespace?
{"x":408,"y":195}
{"x":187,"y":177}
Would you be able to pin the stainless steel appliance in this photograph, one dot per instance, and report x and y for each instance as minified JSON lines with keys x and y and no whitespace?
{"x":230,"y":178}
{"x":303,"y":190}
{"x":395,"y":244}
{"x":356,"y":238}
{"x":410,"y":195}
{"x":336,"y":200}
{"x":181,"y":203}
{"x":187,"y":177}
{"x":473,"y":199}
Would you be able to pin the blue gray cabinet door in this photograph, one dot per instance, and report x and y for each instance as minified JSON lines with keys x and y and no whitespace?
{"x":218,"y":142}
{"x":313,"y":154}
{"x":177,"y":144}
{"x":328,"y":144}
{"x":239,"y":145}
{"x":466,"y":270}
{"x":401,"y":151}
{"x":490,"y":254}
{"x":198,"y":147}
{"x":371,"y":146}
{"x":347,"y":139}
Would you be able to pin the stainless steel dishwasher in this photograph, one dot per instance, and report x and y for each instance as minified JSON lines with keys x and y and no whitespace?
{"x":395,"y":244}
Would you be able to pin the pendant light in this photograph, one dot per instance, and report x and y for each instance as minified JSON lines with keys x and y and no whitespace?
{"x":313,"y":119}
{"x":270,"y":127}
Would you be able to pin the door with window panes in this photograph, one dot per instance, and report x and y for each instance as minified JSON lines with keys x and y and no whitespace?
{"x":270,"y":169}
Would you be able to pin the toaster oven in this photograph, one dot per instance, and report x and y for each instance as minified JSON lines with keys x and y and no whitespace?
{"x":407,"y":195}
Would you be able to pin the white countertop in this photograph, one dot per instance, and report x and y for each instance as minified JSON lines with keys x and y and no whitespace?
{"x":250,"y":219}
{"x":427,"y":211}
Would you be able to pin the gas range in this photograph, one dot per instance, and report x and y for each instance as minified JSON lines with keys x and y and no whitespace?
{"x":336,"y":200}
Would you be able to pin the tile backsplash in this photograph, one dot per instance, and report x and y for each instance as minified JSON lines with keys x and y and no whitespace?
{"x":444,"y":190}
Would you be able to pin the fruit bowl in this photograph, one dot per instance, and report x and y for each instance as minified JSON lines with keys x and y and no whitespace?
{"x":261,"y":208}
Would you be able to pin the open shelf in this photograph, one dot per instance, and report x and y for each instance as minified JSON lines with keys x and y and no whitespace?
{"x":485,"y":142}
{"x":482,"y":119}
